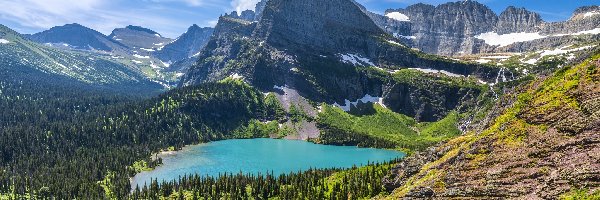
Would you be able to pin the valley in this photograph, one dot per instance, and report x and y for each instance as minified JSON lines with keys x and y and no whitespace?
{"x":307,"y":99}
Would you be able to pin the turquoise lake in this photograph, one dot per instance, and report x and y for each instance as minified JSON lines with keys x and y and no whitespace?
{"x":260,"y":156}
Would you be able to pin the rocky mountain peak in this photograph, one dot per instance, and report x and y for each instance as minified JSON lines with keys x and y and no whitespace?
{"x":137,"y":37}
{"x":586,"y":12}
{"x":514,"y":20}
{"x":142,"y":29}
{"x":247,"y":15}
{"x":260,"y":7}
{"x":469,"y":27}
{"x":76,"y":36}
{"x":333,"y":25}
{"x":452,"y":24}
{"x":186,"y":45}
{"x":586,"y":9}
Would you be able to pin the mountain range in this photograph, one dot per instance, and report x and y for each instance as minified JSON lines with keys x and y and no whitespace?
{"x":447,"y":30}
{"x":486,"y":106}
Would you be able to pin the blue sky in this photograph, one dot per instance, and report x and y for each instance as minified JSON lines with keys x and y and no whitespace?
{"x":172,"y":17}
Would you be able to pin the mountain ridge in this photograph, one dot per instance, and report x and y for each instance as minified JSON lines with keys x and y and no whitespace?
{"x":479,"y":28}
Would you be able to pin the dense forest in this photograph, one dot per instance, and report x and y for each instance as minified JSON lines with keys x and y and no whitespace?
{"x":59,"y":140}
{"x":354,"y":183}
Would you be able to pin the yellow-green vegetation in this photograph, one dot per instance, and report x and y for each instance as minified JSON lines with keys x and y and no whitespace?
{"x":429,"y":171}
{"x":140,"y":166}
{"x":510,"y":129}
{"x":107,"y":185}
{"x":381,"y":127}
{"x":369,"y":175}
{"x":581,"y":195}
{"x":415,"y":76}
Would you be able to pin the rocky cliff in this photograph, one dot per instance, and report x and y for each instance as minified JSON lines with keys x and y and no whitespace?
{"x":516,"y":20}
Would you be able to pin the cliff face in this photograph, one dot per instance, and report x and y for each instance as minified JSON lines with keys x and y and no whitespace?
{"x":542,"y":142}
{"x":460,"y":28}
{"x":327,"y":26}
{"x":318,"y":48}
{"x":516,"y":20}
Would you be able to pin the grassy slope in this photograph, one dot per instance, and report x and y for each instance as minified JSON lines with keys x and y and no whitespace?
{"x":510,"y":129}
{"x":402,"y":131}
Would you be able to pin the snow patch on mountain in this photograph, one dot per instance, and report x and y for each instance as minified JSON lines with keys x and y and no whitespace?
{"x":398,"y":16}
{"x":496,"y":57}
{"x":150,"y":50}
{"x":593,"y":31}
{"x":482,"y":61}
{"x":366,"y":99}
{"x":197,"y":54}
{"x":141,"y":57}
{"x":562,"y":50}
{"x":434,"y":71}
{"x":279,"y":87}
{"x":492,"y":38}
{"x":356,"y":60}
{"x":154,"y":66}
{"x":161,"y":83}
{"x":590,"y":14}
{"x":394,"y":42}
{"x":236,"y":76}
{"x":166,"y":64}
{"x":4,"y":41}
{"x":137,"y":61}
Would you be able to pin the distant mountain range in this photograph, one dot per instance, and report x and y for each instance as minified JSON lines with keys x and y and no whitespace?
{"x":76,"y":36}
{"x":445,"y":29}
{"x":24,"y":59}
{"x":469,"y":27}
{"x":139,"y":46}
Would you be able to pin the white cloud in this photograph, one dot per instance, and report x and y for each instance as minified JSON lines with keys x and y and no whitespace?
{"x":241,"y":5}
{"x":187,"y":2}
{"x":43,"y":13}
{"x":102,"y":15}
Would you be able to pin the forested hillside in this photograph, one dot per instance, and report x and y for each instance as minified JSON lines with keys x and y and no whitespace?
{"x":61,"y":142}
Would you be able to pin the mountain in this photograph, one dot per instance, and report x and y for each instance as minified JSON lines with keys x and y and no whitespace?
{"x":76,"y":36}
{"x":139,"y":38}
{"x":250,"y":15}
{"x":540,"y":142}
{"x":24,"y":59}
{"x":469,"y":27}
{"x":327,"y":51}
{"x":185,"y":46}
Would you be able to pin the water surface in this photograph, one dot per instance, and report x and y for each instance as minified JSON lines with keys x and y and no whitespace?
{"x":260,"y":156}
